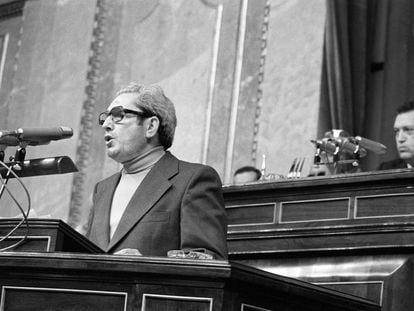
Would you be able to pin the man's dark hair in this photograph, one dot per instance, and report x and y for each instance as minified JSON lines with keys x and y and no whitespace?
{"x":407,"y":106}
{"x":151,"y":99}
{"x":246,"y":169}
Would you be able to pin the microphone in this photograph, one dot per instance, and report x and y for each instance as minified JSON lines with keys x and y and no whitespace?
{"x":35,"y":136}
{"x":42,"y":166}
{"x":333,"y":146}
{"x":325,"y":145}
{"x":371,"y":145}
{"x":351,"y":148}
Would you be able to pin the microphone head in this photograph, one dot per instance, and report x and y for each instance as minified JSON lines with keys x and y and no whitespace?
{"x":369,"y":144}
{"x":352,"y":148}
{"x":328,"y":146}
{"x":34,"y":136}
{"x":325,"y":145}
{"x":67,"y":132}
{"x":43,"y":134}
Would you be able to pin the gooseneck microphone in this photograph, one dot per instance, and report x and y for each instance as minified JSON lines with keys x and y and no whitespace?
{"x":35,"y":136}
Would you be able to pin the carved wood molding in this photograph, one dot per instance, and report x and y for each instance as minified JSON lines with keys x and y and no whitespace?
{"x":88,"y":113}
{"x":260,"y":79}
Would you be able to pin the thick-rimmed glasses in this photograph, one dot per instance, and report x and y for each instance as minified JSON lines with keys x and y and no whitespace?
{"x":118,"y":113}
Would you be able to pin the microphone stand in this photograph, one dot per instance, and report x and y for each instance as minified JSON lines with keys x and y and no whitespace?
{"x":17,"y":164}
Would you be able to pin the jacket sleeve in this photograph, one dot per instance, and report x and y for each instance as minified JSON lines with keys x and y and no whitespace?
{"x":203,"y":215}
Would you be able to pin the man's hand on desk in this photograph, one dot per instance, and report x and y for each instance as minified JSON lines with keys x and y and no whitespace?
{"x":128,"y":251}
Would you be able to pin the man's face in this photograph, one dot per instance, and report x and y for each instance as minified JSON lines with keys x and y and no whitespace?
{"x":127,"y":138}
{"x":404,"y":135}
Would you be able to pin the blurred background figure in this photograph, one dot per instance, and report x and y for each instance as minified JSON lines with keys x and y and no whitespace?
{"x":404,"y":138}
{"x":246,"y":174}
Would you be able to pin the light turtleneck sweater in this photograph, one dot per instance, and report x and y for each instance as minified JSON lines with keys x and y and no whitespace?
{"x":132,"y":174}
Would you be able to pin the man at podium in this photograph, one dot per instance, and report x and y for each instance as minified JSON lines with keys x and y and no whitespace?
{"x":156,"y":204}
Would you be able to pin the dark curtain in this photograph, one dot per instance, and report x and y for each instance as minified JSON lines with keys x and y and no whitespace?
{"x":367,"y":69}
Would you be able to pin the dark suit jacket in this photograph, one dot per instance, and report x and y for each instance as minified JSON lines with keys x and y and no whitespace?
{"x":393,"y":164}
{"x":179,"y":205}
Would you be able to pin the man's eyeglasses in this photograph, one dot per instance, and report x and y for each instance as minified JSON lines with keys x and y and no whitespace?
{"x":118,"y":113}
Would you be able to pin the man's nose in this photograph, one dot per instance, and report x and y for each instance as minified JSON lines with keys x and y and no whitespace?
{"x":401,"y":136}
{"x":108,"y":123}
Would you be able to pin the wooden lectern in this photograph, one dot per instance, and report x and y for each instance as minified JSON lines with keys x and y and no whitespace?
{"x":65,"y":276}
{"x":63,"y":281}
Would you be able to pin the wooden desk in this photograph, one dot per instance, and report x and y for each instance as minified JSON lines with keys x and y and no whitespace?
{"x":354,"y":233}
{"x":63,"y":281}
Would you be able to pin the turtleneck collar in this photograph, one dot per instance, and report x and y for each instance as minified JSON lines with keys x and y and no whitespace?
{"x":143,"y":161}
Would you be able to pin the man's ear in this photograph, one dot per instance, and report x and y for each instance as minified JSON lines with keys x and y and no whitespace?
{"x":153,"y":123}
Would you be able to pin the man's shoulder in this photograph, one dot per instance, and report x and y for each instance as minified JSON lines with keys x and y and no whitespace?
{"x":194,"y":166}
{"x":392,"y":164}
{"x":184,"y":163}
{"x":188,"y":167}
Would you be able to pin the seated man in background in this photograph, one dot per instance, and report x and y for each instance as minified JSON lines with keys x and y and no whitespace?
{"x":156,"y":203}
{"x":404,"y":138}
{"x":246,"y":174}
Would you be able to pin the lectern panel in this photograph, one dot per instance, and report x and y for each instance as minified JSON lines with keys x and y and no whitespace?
{"x":240,"y":215}
{"x":311,"y":210}
{"x":32,"y":298}
{"x":31,"y":243}
{"x":169,"y":302}
{"x":388,"y":205}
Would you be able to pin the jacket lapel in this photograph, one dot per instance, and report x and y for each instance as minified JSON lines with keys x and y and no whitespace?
{"x":105,"y":194}
{"x":152,"y":188}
